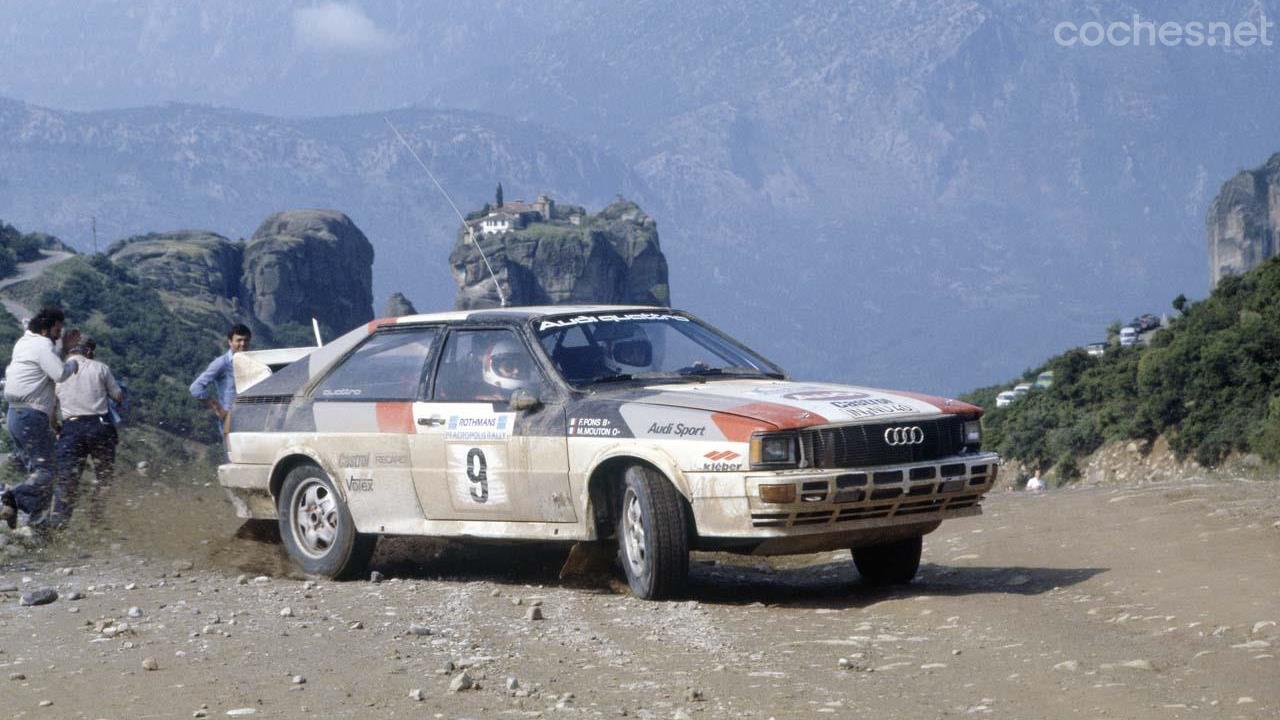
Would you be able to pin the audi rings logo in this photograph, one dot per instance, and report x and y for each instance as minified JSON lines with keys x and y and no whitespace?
{"x":898,"y":436}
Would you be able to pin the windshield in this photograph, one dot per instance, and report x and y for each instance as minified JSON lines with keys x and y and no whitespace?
{"x":615,"y":347}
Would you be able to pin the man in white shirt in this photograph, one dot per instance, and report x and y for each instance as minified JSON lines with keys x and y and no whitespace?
{"x":35,"y":366}
{"x":87,"y":432}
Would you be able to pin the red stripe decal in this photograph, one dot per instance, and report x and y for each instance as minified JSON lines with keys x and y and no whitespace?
{"x":945,"y":405}
{"x":784,"y":417}
{"x":738,"y":428}
{"x":395,"y":417}
{"x":379,"y":322}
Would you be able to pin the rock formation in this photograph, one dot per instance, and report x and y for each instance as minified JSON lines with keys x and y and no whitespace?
{"x":195,"y":270}
{"x":299,"y":264}
{"x":309,"y":263}
{"x":1243,"y":222}
{"x":612,"y":257}
{"x":398,"y":306}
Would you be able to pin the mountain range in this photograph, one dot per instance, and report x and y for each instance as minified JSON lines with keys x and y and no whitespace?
{"x":921,"y":194}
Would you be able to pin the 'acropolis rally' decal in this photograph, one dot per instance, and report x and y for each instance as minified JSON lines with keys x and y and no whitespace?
{"x":479,"y":426}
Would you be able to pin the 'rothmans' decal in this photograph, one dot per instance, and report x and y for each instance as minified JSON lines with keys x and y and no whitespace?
{"x":495,"y":426}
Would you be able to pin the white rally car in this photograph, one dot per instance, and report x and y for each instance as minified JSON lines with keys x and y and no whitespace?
{"x":590,"y":423}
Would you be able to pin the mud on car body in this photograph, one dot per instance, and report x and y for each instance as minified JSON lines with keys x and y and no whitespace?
{"x":638,"y":425}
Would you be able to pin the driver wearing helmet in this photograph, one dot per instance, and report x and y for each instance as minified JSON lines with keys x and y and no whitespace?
{"x":507,"y":369}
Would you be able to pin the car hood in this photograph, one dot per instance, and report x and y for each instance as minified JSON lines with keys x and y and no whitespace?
{"x":785,"y":404}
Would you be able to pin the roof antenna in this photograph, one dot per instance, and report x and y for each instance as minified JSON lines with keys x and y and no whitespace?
{"x":502,"y":298}
{"x":315,"y":327}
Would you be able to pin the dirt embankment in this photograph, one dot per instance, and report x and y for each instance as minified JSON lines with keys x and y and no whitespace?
{"x":1139,"y":462}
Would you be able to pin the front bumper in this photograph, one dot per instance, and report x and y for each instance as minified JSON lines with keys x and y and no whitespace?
{"x":840,"y":507}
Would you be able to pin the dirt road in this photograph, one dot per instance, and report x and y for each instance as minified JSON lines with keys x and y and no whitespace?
{"x":1151,"y":602}
{"x":26,"y":271}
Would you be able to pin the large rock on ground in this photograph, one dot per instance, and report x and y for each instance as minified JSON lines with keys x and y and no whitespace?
{"x":612,"y":257}
{"x":1243,"y":222}
{"x":194,"y":270}
{"x":305,"y":263}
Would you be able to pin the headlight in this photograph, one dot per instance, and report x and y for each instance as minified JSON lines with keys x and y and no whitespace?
{"x":973,"y":433}
{"x":774,"y":450}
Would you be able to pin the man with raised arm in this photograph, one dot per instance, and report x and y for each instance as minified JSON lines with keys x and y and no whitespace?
{"x":37,"y":363}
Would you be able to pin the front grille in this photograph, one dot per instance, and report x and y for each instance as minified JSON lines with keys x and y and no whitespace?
{"x":848,"y":446}
{"x":849,"y":497}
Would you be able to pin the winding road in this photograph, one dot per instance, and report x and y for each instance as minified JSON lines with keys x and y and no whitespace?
{"x":27,"y":271}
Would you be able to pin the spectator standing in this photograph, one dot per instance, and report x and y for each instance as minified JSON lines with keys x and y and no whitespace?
{"x":36,"y":365}
{"x":216,"y":386}
{"x":87,"y":432}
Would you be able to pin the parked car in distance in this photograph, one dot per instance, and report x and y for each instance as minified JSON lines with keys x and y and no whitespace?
{"x":1097,"y":349}
{"x":640,"y":426}
{"x":1006,"y":398}
{"x":1044,"y":380}
{"x":1128,"y":336}
{"x":1146,"y":322}
{"x":1022,"y":389}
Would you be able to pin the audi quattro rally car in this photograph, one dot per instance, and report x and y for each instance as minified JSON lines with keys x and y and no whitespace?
{"x":639,"y":424}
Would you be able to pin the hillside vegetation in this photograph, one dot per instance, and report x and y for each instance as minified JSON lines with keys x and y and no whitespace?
{"x":1210,"y":383}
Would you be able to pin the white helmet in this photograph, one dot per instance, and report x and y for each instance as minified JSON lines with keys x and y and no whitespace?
{"x":507,"y":366}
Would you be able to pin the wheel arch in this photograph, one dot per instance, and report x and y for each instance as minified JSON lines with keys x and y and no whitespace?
{"x":604,"y":483}
{"x":291,"y":458}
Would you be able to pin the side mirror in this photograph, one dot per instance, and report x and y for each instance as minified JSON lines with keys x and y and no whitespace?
{"x":636,"y":353}
{"x":523,"y":399}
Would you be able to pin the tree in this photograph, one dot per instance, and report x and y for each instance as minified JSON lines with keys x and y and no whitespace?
{"x":498,"y":196}
{"x":1180,"y":303}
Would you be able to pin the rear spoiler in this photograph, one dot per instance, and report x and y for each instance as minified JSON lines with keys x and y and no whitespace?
{"x":252,"y":367}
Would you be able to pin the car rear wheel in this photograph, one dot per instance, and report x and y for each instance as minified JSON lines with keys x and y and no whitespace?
{"x":893,"y":563}
{"x":316,"y":527}
{"x":653,"y":541}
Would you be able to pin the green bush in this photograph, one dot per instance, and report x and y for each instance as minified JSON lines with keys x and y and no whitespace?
{"x":1208,"y":383}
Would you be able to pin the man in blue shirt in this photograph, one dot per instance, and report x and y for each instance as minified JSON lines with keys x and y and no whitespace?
{"x":216,"y":386}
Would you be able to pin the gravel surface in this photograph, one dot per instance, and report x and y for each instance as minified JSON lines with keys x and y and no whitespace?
{"x":1159,"y":601}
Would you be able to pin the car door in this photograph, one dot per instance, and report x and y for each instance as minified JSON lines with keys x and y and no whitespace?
{"x":474,"y":456}
{"x":363,"y":411}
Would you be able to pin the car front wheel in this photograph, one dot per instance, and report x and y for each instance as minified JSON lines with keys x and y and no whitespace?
{"x":893,"y":563}
{"x":653,"y":540}
{"x":316,"y":527}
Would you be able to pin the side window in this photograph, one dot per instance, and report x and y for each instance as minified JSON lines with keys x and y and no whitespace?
{"x":485,"y":366}
{"x":388,"y":366}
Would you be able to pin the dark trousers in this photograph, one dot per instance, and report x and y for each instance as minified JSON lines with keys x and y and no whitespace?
{"x":90,"y":437}
{"x":34,"y":440}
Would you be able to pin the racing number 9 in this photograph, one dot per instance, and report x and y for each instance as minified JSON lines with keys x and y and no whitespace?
{"x":478,"y":474}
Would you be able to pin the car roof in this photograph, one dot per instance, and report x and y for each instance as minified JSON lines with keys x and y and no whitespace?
{"x":524,"y":312}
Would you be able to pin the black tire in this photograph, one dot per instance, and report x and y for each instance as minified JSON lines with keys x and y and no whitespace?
{"x":893,"y":563}
{"x":655,"y":560}
{"x":345,"y":553}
